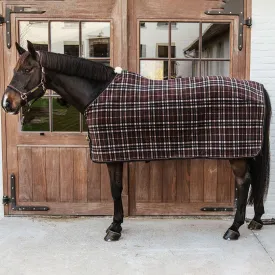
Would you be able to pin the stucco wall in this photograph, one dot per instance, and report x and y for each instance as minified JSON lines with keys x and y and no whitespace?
{"x":1,"y":176}
{"x":263,"y":70}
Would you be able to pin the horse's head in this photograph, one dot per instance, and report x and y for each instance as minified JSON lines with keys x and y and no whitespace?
{"x":26,"y":83}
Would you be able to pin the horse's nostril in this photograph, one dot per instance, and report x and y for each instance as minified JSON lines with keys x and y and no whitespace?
{"x":7,"y":105}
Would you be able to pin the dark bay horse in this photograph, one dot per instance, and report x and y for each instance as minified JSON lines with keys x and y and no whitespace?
{"x":80,"y":82}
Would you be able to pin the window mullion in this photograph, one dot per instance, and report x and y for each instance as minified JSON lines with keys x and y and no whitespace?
{"x":169,"y":50}
{"x":200,"y":49}
{"x":80,"y":38}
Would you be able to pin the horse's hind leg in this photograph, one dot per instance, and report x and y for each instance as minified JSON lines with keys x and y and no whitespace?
{"x":257,"y":223}
{"x":115,"y":173}
{"x":243,"y":180}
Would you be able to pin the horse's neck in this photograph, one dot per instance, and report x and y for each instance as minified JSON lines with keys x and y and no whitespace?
{"x":77,"y":91}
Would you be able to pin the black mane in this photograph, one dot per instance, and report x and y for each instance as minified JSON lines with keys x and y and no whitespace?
{"x":76,"y":66}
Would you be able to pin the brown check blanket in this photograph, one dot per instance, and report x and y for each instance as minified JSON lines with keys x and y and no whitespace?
{"x":137,"y":119}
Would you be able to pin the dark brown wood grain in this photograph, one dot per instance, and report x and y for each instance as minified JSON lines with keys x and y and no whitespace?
{"x":66,"y":174}
{"x":105,"y":192}
{"x":142,"y":181}
{"x":224,"y":182}
{"x":80,"y":175}
{"x":25,"y":174}
{"x":155,"y":181}
{"x":38,"y":170}
{"x":169,"y":181}
{"x":197,"y":180}
{"x":178,"y":209}
{"x":183,"y":180}
{"x":210,"y":180}
{"x":53,"y":174}
{"x":93,"y":180}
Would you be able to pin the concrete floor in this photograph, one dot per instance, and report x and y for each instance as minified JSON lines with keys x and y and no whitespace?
{"x":38,"y":246}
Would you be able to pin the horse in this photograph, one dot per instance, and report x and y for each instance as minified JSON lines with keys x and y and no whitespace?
{"x":81,"y":82}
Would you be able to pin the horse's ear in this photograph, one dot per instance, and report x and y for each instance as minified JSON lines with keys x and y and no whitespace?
{"x":19,"y":48}
{"x":31,"y":49}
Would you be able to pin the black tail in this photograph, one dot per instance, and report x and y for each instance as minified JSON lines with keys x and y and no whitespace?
{"x":260,"y":165}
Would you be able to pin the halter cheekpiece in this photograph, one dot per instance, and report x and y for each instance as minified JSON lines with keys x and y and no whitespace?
{"x":24,"y":96}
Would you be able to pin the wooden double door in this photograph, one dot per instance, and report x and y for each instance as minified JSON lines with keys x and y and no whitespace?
{"x":51,"y":164}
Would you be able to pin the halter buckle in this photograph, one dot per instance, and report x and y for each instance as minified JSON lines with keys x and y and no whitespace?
{"x":24,"y":97}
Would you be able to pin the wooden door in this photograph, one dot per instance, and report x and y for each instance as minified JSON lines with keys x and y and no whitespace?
{"x":50,"y":162}
{"x":52,"y":168}
{"x":182,"y":187}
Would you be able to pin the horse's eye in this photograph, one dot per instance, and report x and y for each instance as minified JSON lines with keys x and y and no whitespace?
{"x":27,"y":70}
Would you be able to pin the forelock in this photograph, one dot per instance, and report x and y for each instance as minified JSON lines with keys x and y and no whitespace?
{"x":21,"y":60}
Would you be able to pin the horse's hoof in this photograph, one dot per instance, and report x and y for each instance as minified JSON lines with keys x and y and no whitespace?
{"x":255,"y":225}
{"x":113,"y":226}
{"x":231,"y":235}
{"x":108,"y":229}
{"x":112,"y":236}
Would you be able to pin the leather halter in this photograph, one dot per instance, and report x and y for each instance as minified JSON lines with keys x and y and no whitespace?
{"x":24,"y":96}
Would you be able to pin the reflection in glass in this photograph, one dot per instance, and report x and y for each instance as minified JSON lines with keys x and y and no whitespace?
{"x":104,"y":62}
{"x":216,"y":40}
{"x":157,"y":69}
{"x":185,"y":38}
{"x":65,"y":118}
{"x":36,"y":32}
{"x":65,"y":38}
{"x":209,"y":68}
{"x":95,"y":39}
{"x":185,"y":69}
{"x":84,"y":125}
{"x":37,"y":119}
{"x":154,"y":40}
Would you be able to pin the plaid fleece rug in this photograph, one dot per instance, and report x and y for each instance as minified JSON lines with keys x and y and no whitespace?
{"x":137,"y":119}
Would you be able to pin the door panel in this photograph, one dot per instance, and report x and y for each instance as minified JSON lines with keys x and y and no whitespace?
{"x":57,"y":177}
{"x":182,"y":187}
{"x":52,"y":165}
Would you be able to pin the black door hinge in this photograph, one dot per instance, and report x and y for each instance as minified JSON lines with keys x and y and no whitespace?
{"x":6,"y":200}
{"x":248,"y":22}
{"x":234,"y":7}
{"x":217,"y":209}
{"x":12,"y":200}
{"x":7,"y":19}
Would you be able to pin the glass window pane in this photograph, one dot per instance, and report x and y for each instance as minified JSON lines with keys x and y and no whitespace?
{"x":157,"y":69}
{"x":154,"y":39}
{"x":185,"y":68}
{"x":209,"y":68}
{"x":65,"y":38}
{"x":34,"y":31}
{"x":104,"y":62}
{"x":185,"y":40}
{"x":37,"y":119}
{"x":95,"y":39}
{"x":84,"y":125}
{"x":65,"y":118}
{"x":216,"y":40}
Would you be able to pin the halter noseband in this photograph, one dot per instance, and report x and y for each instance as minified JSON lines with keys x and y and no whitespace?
{"x":24,"y":96}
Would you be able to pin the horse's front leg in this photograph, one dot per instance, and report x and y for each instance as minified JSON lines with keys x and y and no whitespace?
{"x":243,"y":180}
{"x":114,"y":230}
